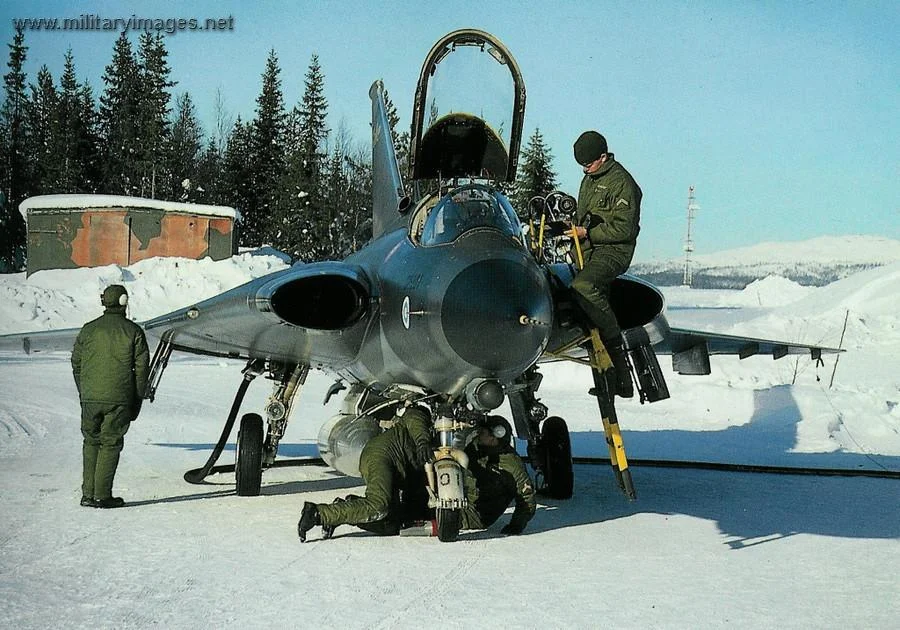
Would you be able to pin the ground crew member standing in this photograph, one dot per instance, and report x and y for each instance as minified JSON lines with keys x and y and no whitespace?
{"x":390,"y":462}
{"x":500,"y":478}
{"x":607,"y":222}
{"x":110,"y":362}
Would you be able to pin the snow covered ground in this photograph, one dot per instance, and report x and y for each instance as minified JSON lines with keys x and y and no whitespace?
{"x":697,"y":549}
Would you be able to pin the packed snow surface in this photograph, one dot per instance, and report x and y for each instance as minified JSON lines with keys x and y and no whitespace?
{"x":697,"y":549}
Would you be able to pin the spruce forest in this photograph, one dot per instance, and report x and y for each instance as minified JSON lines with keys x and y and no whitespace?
{"x":301,"y":187}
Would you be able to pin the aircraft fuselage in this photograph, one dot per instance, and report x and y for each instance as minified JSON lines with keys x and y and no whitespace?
{"x":479,"y":307}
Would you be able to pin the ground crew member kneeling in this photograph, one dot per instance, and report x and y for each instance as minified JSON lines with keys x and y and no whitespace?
{"x":500,"y":478}
{"x":391,"y":464}
{"x":110,"y":363}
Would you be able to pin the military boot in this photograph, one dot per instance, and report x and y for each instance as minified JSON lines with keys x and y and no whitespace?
{"x":328,"y":530}
{"x":109,"y":502}
{"x":309,"y":518}
{"x":624,"y":385}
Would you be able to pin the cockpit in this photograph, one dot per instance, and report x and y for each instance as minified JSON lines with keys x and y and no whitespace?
{"x":438,"y":221}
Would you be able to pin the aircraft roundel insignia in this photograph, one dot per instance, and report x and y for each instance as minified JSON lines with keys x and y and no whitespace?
{"x":404,"y":312}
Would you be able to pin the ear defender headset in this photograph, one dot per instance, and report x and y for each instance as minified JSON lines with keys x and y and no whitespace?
{"x":108,"y":297}
{"x":499,"y":427}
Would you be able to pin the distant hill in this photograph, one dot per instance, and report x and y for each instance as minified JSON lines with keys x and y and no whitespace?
{"x":815,"y":262}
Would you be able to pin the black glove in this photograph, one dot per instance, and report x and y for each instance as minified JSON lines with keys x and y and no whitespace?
{"x":557,"y":228}
{"x":424,"y":455}
{"x":512,"y":529}
{"x":136,"y":408}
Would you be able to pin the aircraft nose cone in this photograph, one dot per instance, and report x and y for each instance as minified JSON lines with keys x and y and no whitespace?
{"x":496,"y":315}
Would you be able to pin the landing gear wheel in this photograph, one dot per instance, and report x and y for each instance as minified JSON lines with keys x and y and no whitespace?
{"x":248,"y":458}
{"x":448,"y":524}
{"x":557,"y":455}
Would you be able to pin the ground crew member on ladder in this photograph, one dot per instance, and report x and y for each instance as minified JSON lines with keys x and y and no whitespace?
{"x":606,"y":223}
{"x":110,"y":363}
{"x":392,"y":465}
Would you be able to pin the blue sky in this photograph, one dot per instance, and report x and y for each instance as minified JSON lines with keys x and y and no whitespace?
{"x":784,"y":116}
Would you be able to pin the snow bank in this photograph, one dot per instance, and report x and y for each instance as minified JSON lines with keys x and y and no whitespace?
{"x":66,"y":298}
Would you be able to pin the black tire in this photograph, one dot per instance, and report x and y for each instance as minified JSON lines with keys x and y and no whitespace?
{"x":448,"y":524}
{"x":559,"y":479}
{"x":248,"y":457}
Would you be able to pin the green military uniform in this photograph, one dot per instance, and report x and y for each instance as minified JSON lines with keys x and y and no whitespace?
{"x":390,"y":463}
{"x":110,"y":363}
{"x":609,"y":208}
{"x":499,"y":477}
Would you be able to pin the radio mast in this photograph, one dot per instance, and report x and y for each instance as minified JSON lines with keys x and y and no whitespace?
{"x":689,"y":239}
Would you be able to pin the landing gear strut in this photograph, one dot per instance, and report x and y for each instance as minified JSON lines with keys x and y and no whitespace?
{"x":278,"y":408}
{"x":446,"y":480}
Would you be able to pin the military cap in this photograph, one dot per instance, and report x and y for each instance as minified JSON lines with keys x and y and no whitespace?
{"x":589,"y":147}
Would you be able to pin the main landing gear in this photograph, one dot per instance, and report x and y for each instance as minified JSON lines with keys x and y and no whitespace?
{"x":256,"y":448}
{"x":549,"y":446}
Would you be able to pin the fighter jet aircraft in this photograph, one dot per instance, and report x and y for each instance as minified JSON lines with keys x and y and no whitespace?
{"x":452,"y":304}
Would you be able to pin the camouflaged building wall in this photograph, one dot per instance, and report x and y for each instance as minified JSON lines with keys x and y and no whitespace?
{"x":66,"y":239}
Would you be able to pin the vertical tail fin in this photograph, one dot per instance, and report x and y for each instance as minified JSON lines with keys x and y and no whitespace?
{"x":387,"y":184}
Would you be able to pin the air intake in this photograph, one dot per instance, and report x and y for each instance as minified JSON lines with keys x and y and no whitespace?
{"x":321,"y":302}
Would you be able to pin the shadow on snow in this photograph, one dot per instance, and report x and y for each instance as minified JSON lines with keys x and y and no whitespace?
{"x":749,"y":508}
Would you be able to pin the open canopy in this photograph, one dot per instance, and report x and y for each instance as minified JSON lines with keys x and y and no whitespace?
{"x":468,"y":111}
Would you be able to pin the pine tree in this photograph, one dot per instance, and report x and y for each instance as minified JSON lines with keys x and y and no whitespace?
{"x":536,"y":174}
{"x":304,"y":214}
{"x":267,"y":150}
{"x":224,"y":123}
{"x":313,"y":129}
{"x":119,"y":111}
{"x":237,"y":165}
{"x":15,"y":176}
{"x":313,"y":133}
{"x":184,"y":154}
{"x":338,"y":238}
{"x":78,"y":142}
{"x":358,"y":214}
{"x":335,"y":189}
{"x":154,"y":114}
{"x":210,"y":167}
{"x":43,"y":142}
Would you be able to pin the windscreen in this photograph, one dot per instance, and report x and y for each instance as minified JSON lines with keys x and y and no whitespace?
{"x":469,"y":208}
